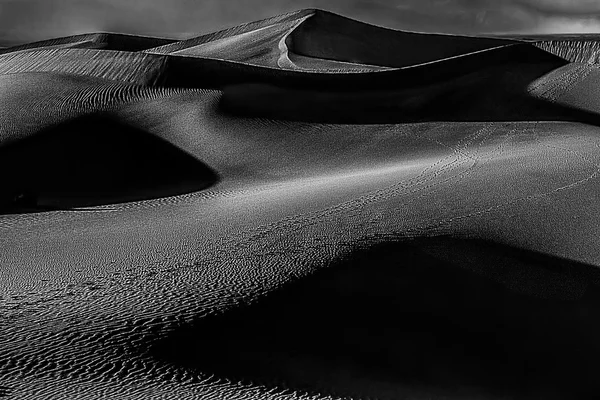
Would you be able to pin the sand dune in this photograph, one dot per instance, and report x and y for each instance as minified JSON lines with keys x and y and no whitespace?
{"x":127,"y":67}
{"x":378,"y":342}
{"x":106,"y":41}
{"x":94,"y":160}
{"x":313,"y":38}
{"x":259,"y":43}
{"x":581,"y":51}
{"x":330,"y":36}
{"x":385,"y":215}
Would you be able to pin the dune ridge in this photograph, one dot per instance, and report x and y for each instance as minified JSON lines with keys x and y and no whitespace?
{"x":100,"y":40}
{"x":578,"y":51}
{"x":326,"y":35}
{"x":308,"y":36}
{"x":233,"y":31}
{"x":267,"y":37}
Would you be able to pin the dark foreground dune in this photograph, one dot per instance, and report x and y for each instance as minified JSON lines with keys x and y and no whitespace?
{"x":377,"y":325}
{"x":304,"y":207}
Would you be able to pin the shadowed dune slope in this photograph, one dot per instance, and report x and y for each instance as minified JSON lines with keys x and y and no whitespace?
{"x":66,"y":146}
{"x":329,"y":36}
{"x":106,"y":41}
{"x":94,"y":160}
{"x":184,"y":71}
{"x":379,"y":325}
{"x":521,"y":90}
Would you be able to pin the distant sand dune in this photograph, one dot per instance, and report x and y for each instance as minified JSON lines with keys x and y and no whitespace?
{"x":282,"y":22}
{"x":525,"y":90}
{"x":126,"y":67}
{"x":106,"y":41}
{"x":324,"y":37}
{"x":328,"y":36}
{"x":301,"y":208}
{"x":580,"y":51}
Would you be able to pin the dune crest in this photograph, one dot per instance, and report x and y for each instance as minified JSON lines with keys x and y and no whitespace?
{"x":577,"y":51}
{"x":106,"y":41}
{"x":332,"y":37}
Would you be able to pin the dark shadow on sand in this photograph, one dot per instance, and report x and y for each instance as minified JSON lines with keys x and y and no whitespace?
{"x":413,"y":321}
{"x":492,"y":94}
{"x":5,"y":391}
{"x":94,"y":160}
{"x":195,"y":72}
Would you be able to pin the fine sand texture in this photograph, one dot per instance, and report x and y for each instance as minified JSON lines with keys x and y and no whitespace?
{"x":304,"y":207}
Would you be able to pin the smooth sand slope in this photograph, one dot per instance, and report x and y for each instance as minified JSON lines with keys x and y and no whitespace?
{"x":373,"y":224}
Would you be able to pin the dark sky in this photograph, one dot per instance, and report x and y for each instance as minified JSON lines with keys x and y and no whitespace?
{"x":27,"y":20}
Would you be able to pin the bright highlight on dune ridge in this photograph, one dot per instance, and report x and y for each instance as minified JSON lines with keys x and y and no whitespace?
{"x":301,"y":207}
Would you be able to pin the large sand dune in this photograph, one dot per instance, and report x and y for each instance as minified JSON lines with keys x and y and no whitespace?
{"x":303,"y":207}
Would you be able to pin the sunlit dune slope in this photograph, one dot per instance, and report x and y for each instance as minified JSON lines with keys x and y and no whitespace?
{"x":580,"y":50}
{"x":291,"y":210}
{"x":315,"y":39}
{"x":329,"y":36}
{"x":258,"y":43}
{"x":128,"y":67}
{"x":107,"y":41}
{"x":573,"y":86}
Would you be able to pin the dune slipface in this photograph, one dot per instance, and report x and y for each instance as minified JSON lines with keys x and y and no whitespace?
{"x":305,"y":207}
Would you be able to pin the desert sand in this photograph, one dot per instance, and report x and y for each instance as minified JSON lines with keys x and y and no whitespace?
{"x":304,"y":207}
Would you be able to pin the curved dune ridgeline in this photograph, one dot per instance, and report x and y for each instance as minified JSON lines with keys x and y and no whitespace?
{"x":267,"y":36}
{"x":304,"y":207}
{"x":332,"y":37}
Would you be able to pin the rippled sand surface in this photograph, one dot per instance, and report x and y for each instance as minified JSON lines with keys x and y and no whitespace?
{"x":305,"y":207}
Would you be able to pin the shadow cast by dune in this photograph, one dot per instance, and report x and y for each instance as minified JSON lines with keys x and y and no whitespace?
{"x":491,"y":94}
{"x":401,"y":321}
{"x":94,"y":160}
